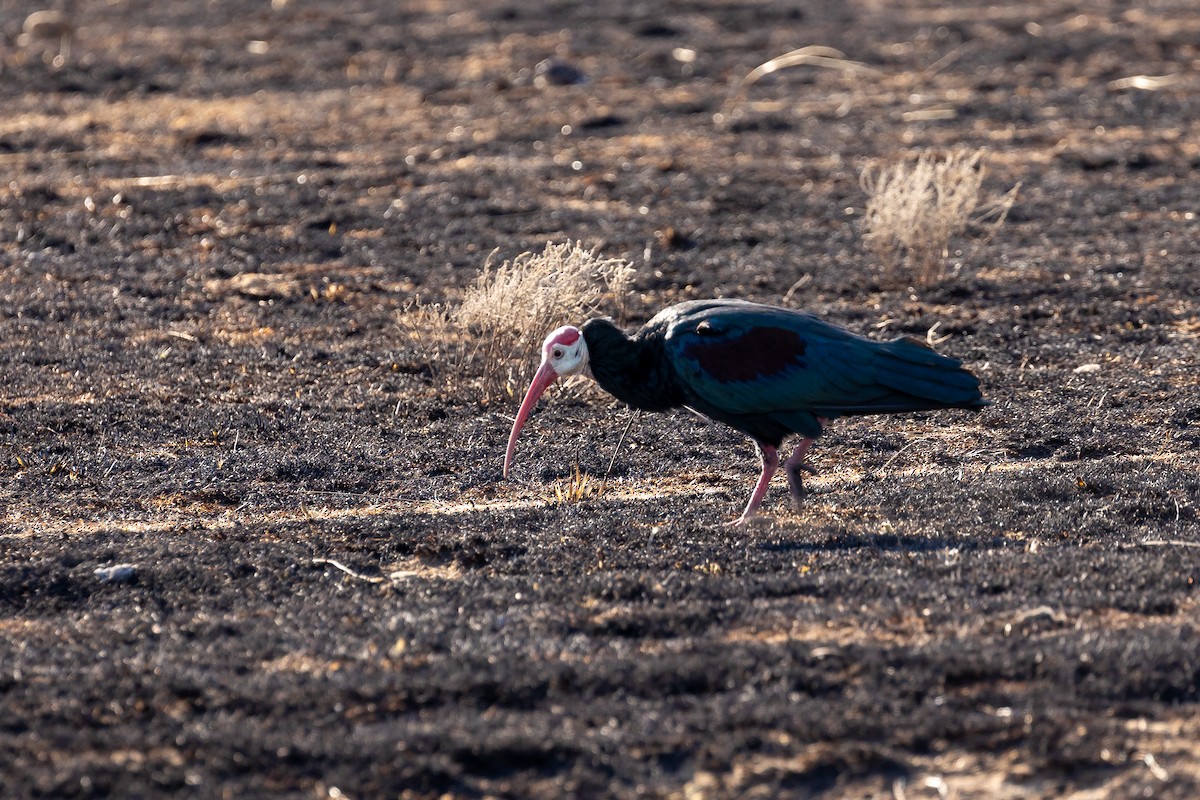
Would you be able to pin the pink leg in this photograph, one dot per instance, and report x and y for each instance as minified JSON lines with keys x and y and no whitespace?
{"x":797,"y":464}
{"x":770,"y":464}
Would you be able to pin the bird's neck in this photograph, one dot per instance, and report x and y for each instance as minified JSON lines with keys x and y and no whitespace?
{"x":634,"y":370}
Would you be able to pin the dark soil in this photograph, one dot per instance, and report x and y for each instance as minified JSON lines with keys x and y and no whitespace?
{"x":212,"y":219}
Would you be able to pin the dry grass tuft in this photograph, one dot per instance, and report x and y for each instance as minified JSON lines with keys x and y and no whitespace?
{"x":492,"y":336}
{"x":576,"y":489}
{"x":915,"y":208}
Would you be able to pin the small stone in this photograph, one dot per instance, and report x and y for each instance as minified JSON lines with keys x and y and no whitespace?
{"x":553,"y":72}
{"x":117,"y":573}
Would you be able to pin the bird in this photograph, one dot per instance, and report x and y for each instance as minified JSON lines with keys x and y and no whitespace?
{"x":766,"y":371}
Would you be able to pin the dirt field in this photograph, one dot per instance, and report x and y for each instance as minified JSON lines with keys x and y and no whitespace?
{"x":212,"y":219}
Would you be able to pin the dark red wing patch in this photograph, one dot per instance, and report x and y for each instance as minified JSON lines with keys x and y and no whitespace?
{"x":757,"y":353}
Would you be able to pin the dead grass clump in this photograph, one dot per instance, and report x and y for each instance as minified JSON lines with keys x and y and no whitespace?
{"x":915,"y":208}
{"x":492,"y":336}
{"x":575,"y":489}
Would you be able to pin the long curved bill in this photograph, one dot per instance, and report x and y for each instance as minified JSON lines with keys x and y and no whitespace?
{"x":544,"y":377}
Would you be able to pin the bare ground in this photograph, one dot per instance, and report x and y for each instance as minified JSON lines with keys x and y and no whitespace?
{"x":213,"y":218}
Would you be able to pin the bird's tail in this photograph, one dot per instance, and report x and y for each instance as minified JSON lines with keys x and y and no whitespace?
{"x":912,"y":367}
{"x":910,"y":376}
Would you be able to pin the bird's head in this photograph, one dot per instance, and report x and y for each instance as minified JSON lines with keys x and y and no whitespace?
{"x":564,"y":353}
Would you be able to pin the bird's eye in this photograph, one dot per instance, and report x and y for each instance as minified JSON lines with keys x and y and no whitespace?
{"x":558,"y":353}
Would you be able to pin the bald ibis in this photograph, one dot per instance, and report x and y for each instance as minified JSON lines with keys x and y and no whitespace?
{"x":766,"y":371}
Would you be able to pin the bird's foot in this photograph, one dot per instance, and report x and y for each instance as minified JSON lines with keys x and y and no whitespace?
{"x":804,"y":466}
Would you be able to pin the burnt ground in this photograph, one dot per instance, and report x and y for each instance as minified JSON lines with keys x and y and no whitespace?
{"x":212,"y":219}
